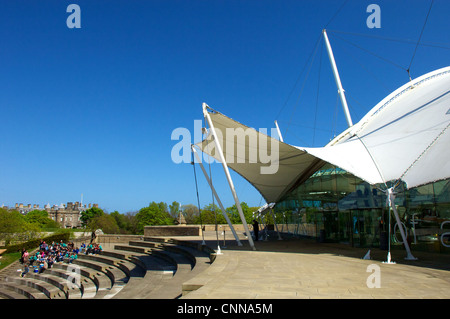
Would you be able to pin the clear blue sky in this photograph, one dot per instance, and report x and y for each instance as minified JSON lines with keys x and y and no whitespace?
{"x":91,"y":111}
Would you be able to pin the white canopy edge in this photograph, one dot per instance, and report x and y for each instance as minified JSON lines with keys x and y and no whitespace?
{"x":404,"y":137}
{"x":388,"y":100}
{"x":290,"y":164}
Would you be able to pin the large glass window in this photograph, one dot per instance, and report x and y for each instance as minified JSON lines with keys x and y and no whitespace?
{"x":335,"y":206}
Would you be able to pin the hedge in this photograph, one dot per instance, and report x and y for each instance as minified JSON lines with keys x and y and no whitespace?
{"x":31,"y":244}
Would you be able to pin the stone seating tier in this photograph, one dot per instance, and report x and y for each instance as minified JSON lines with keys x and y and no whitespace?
{"x":148,"y":268}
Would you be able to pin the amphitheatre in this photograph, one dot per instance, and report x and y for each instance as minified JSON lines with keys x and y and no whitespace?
{"x":129,"y":266}
{"x":206,"y":265}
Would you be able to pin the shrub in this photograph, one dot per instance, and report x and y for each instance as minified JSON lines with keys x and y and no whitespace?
{"x":34,"y":243}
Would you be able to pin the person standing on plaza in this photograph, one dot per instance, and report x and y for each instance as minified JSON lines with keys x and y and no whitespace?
{"x":255,"y":229}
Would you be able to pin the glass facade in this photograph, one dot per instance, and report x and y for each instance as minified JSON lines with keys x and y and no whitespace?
{"x":335,"y":206}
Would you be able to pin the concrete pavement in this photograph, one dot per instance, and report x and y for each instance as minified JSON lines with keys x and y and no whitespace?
{"x":304,"y":269}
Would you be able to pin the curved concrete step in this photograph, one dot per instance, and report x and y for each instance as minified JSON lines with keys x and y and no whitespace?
{"x":158,"y":268}
{"x":49,"y":276}
{"x":124,"y":262}
{"x":95,"y":272}
{"x":12,"y":291}
{"x":198,"y":257}
{"x":184,"y":258}
{"x":127,"y":261}
{"x":107,"y":288}
{"x":168,"y":263}
{"x":116,"y":269}
{"x":189,"y":259}
{"x":77,"y":277}
{"x":51,"y":291}
{"x":142,"y":269}
{"x":165,"y":271}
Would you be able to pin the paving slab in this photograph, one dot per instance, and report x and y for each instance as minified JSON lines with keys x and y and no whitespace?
{"x":297,"y":268}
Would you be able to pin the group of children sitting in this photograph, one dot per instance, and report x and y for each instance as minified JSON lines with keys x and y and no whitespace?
{"x":91,"y":248}
{"x":60,"y":252}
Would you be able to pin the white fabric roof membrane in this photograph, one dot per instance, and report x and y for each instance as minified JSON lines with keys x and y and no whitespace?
{"x":292,"y":163}
{"x":404,"y":137}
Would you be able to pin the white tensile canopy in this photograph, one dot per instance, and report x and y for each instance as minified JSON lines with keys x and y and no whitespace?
{"x":292,"y":162}
{"x":404,"y":137}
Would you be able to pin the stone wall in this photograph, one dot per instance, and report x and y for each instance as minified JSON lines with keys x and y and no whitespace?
{"x":221,"y":227}
{"x":180,"y":230}
{"x":118,"y":238}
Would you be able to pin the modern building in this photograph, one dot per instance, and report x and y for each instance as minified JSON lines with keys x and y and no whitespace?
{"x":395,"y":158}
{"x":335,"y":206}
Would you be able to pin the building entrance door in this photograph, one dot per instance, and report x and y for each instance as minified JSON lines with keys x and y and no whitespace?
{"x":345,"y":227}
{"x":365,"y":227}
{"x":358,"y":228}
{"x":331,"y":226}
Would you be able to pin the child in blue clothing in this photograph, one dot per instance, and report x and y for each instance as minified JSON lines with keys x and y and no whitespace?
{"x":25,"y":270}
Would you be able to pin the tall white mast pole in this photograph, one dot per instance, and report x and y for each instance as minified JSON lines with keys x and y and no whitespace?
{"x":227,"y":173}
{"x":338,"y":79}
{"x":216,"y":196}
{"x":278,"y":131}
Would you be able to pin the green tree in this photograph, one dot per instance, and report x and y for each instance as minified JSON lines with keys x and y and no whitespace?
{"x":131,"y":224}
{"x":89,"y":214}
{"x":105,"y":222}
{"x":190,"y":213}
{"x":41,"y":219}
{"x":119,"y":218}
{"x":235,"y":218}
{"x":14,"y":227}
{"x":125,"y":222}
{"x":209,"y":215}
{"x":154,"y":214}
{"x":174,"y":209}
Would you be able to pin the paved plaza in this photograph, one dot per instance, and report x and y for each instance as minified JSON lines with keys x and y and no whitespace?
{"x":288,"y":269}
{"x":305,"y":269}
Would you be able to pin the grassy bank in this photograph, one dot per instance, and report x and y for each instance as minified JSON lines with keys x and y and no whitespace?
{"x":8,"y":258}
